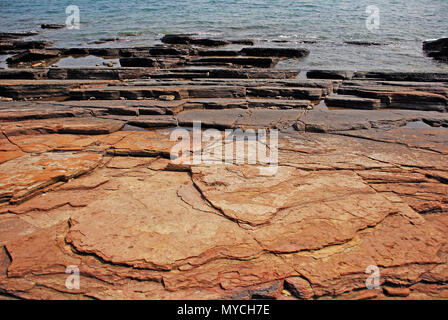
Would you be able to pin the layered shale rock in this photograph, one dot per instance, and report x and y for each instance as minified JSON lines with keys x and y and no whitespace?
{"x":88,"y":179}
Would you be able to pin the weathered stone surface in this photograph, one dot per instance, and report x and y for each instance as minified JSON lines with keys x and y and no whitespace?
{"x":257,"y":62}
{"x":345,"y":101}
{"x":239,"y":118}
{"x":403,"y":76}
{"x":89,"y":182}
{"x":37,"y":172}
{"x":33,"y":55}
{"x":61,"y":125}
{"x":394,"y":244}
{"x":53,"y":89}
{"x":345,"y":120}
{"x":143,"y":143}
{"x":296,"y":92}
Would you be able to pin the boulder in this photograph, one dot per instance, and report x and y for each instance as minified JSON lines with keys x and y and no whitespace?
{"x":52,"y":26}
{"x":276,"y":52}
{"x":437,"y":49}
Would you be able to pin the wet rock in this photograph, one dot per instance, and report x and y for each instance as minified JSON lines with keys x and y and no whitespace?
{"x":246,"y":42}
{"x":138,"y":62}
{"x":33,"y":55}
{"x":313,"y":94}
{"x":29,"y":74}
{"x":52,"y":26}
{"x":188,"y":39}
{"x":17,"y":46}
{"x":437,"y":49}
{"x":276,"y":52}
{"x":403,"y":76}
{"x":363,"y":43}
{"x":16,"y":35}
{"x":61,"y":125}
{"x":329,"y":74}
{"x":28,"y":89}
{"x":398,"y":292}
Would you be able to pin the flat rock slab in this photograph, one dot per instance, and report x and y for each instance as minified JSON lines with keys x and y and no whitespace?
{"x":238,"y":118}
{"x":37,"y":172}
{"x":141,"y":228}
{"x":276,"y":52}
{"x":203,"y":236}
{"x":345,"y":120}
{"x":144,"y":143}
{"x":434,"y":139}
{"x":61,"y":125}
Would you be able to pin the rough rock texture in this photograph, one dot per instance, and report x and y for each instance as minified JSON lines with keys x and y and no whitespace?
{"x":86,"y":180}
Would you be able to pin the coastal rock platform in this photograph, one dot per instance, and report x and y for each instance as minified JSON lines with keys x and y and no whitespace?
{"x":86,"y":179}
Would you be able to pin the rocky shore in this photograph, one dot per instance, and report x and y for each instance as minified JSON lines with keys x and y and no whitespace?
{"x":86,"y":177}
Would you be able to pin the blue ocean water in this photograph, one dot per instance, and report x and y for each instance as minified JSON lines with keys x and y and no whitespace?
{"x":403,"y":25}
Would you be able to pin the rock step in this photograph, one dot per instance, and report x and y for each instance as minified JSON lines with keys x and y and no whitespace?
{"x":327,"y":86}
{"x":45,"y":89}
{"x":78,"y":125}
{"x":239,"y":118}
{"x":146,"y":62}
{"x":437,"y":49}
{"x":313,"y":94}
{"x":404,"y":76}
{"x":396,"y":98}
{"x":84,"y":90}
{"x":31,"y":55}
{"x":257,"y":62}
{"x":352,"y":102}
{"x":124,"y":73}
{"x":184,"y":92}
{"x":177,"y":93}
{"x":12,"y":114}
{"x":433,"y":87}
{"x":279,"y":104}
{"x":329,"y":74}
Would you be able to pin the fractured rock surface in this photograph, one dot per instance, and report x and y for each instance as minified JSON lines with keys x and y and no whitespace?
{"x":87,"y":179}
